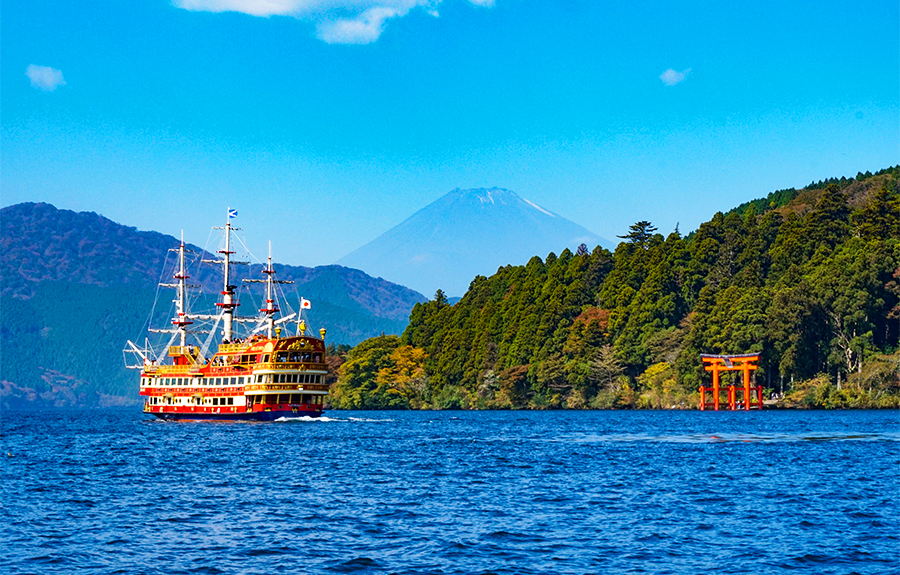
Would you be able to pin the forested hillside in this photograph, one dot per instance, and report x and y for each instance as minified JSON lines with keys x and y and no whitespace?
{"x":806,"y":278}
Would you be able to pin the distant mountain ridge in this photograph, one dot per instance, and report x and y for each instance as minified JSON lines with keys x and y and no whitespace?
{"x":76,"y":285}
{"x":41,"y":243}
{"x":466,"y":233}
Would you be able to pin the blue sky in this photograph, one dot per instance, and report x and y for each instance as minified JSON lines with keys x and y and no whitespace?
{"x":327,"y":122}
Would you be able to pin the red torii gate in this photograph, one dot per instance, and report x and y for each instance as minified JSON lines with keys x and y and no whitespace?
{"x":744,"y":363}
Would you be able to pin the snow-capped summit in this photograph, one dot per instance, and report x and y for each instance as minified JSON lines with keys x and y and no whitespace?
{"x":467,"y":233}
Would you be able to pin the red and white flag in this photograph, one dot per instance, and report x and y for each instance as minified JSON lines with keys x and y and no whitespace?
{"x":304,"y":303}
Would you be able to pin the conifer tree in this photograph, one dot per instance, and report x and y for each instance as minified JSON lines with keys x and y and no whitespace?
{"x":639,"y":233}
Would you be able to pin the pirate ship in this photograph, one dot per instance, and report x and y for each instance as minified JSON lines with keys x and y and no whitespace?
{"x":254,"y":373}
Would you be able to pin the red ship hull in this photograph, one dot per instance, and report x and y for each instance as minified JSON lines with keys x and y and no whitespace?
{"x":266,"y":415}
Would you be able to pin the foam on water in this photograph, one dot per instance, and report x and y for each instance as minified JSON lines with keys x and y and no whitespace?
{"x":371,"y":420}
{"x":325,"y":419}
{"x":306,"y":418}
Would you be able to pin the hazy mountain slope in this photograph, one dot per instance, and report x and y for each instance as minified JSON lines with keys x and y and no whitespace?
{"x":40,"y":243}
{"x":463,"y":234}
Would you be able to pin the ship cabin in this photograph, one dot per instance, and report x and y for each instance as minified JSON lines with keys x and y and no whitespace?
{"x":256,"y":376}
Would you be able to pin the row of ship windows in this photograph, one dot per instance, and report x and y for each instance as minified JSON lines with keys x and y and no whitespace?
{"x":298,"y":357}
{"x":191,"y":401}
{"x":281,"y":356}
{"x":290,"y":378}
{"x":282,"y":398}
{"x":219,"y":381}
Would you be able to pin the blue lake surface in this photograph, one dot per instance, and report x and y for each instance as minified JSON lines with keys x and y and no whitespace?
{"x":116,"y":491}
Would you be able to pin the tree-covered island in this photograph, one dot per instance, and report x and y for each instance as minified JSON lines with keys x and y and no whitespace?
{"x":809,"y":279}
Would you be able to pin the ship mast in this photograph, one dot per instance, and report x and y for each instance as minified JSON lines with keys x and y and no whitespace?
{"x":271,"y":309}
{"x":181,"y":319}
{"x":227,"y":304}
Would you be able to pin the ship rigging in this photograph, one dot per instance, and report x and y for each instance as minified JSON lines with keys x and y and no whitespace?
{"x":251,"y":375}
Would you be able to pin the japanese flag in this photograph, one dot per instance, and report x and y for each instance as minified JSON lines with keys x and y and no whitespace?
{"x":304,"y":303}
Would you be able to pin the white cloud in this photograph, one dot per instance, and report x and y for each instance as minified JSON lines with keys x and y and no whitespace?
{"x":44,"y":77}
{"x":670,"y":77}
{"x":337,"y":21}
{"x":363,"y":29}
{"x":256,"y":7}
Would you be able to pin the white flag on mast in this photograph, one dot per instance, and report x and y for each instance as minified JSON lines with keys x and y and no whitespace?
{"x":304,"y":303}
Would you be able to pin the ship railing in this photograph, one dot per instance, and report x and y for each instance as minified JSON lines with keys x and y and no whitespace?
{"x":170,"y":369}
{"x":167,"y":369}
{"x":192,"y":353}
{"x":232,"y":347}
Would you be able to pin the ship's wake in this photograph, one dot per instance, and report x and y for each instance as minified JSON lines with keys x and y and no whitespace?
{"x":325,"y":419}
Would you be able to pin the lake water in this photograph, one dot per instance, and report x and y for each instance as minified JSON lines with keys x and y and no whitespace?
{"x":115,"y":491}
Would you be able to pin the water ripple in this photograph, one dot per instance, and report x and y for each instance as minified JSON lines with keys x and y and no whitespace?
{"x":111,"y":491}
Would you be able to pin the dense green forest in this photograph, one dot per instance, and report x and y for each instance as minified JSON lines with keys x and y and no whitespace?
{"x":809,"y":279}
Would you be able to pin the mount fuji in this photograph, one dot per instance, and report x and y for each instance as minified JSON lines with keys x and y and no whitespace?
{"x":467,"y":233}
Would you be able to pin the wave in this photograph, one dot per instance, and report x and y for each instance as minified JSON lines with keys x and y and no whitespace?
{"x":325,"y":419}
{"x":304,"y":418}
{"x":370,"y":420}
{"x":734,"y":437}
